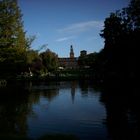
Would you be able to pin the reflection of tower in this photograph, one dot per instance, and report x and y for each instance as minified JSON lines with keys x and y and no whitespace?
{"x":71,"y":52}
{"x":73,"y":91}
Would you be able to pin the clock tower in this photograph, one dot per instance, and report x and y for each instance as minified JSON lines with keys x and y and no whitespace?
{"x":71,"y":52}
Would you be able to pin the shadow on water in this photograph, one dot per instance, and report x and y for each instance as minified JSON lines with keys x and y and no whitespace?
{"x":16,"y":101}
{"x":14,"y":108}
{"x":122,"y":103}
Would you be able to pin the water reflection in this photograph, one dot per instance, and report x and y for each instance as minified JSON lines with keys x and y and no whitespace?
{"x":73,"y":88}
{"x":36,"y":109}
{"x":62,"y":108}
{"x":47,"y":90}
{"x":122,"y":109}
{"x":14,"y":107}
{"x":84,"y":87}
{"x":77,"y":108}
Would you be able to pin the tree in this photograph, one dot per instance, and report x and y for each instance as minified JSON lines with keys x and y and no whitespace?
{"x":29,"y":41}
{"x":119,"y":58}
{"x":11,"y":25}
{"x":133,"y":14}
{"x":34,"y":62}
{"x":87,"y":60}
{"x":12,"y":38}
{"x":49,"y":60}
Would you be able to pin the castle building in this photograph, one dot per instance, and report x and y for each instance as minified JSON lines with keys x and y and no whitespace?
{"x":70,"y":62}
{"x":83,"y":53}
{"x":71,"y":52}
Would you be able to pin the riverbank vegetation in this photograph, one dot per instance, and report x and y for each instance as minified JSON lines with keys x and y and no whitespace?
{"x":118,"y":60}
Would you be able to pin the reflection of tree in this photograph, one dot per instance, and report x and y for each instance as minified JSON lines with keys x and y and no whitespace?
{"x":13,"y":112}
{"x":51,"y":94}
{"x":122,"y":106}
{"x":84,"y":87}
{"x":73,"y":86}
{"x":16,"y":104}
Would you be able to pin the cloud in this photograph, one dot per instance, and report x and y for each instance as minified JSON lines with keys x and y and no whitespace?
{"x":92,"y":38}
{"x":82,"y":27}
{"x":64,"y":39}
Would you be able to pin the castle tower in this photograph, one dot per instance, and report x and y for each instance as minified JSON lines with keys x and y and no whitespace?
{"x":71,"y":52}
{"x":83,"y":53}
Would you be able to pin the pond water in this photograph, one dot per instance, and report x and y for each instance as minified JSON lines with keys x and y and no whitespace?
{"x":77,"y":108}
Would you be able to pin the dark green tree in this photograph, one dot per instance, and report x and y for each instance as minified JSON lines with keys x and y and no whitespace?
{"x":87,"y":61}
{"x":34,"y":63}
{"x":119,"y":59}
{"x":49,"y":60}
{"x":12,"y":39}
{"x":11,"y":25}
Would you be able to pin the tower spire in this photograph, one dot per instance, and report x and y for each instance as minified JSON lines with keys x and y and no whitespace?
{"x":71,"y":52}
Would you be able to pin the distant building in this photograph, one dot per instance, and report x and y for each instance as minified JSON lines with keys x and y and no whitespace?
{"x":83,"y":53}
{"x":71,"y":52}
{"x":70,"y":62}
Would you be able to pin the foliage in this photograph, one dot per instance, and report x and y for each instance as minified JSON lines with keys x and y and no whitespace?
{"x":87,"y":60}
{"x":29,"y":41}
{"x":49,"y":60}
{"x":119,"y":57}
{"x":12,"y":39}
{"x":34,"y":62}
{"x":11,"y":25}
{"x":12,"y":61}
{"x":31,"y":56}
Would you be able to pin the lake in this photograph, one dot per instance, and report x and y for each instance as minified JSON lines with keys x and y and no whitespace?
{"x":75,"y":108}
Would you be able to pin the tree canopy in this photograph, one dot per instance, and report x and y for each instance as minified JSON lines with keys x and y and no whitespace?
{"x":119,"y":59}
{"x":49,"y":60}
{"x":12,"y":38}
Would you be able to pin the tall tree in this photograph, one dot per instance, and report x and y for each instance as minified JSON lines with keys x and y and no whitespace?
{"x":119,"y":58}
{"x":11,"y":25}
{"x":12,"y":38}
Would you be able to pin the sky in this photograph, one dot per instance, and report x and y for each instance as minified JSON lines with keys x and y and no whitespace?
{"x":62,"y":23}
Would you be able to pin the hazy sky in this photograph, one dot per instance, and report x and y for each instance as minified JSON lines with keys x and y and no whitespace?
{"x":61,"y":23}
